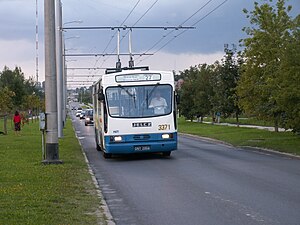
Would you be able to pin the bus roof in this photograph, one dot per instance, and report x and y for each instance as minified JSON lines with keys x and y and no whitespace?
{"x":142,"y":77}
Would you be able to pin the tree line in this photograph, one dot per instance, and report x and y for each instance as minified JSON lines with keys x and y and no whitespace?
{"x":85,"y":94}
{"x":18,"y":93}
{"x":262,"y":80}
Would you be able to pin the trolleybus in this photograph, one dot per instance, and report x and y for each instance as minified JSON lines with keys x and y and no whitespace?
{"x":135,"y":112}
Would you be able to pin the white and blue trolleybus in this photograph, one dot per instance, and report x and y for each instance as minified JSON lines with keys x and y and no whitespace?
{"x":135,"y":112}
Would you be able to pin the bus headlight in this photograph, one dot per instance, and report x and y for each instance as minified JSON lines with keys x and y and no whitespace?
{"x":167,"y":136}
{"x":116,"y":138}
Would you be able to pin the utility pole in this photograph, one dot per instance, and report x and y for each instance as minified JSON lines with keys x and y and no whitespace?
{"x":65,"y":90}
{"x":52,"y":153}
{"x":59,"y":68}
{"x":37,"y":42}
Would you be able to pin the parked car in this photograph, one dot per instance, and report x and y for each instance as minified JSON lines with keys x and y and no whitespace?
{"x":82,"y":114}
{"x":89,"y":118}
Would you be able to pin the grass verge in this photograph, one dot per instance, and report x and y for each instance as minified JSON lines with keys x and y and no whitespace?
{"x":33,"y":193}
{"x":282,"y":141}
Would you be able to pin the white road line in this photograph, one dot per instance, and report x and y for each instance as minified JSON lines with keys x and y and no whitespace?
{"x":103,"y":204}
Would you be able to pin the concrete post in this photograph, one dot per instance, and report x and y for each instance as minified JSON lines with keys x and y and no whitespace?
{"x":59,"y":68}
{"x":65,"y":97}
{"x":52,"y":151}
{"x":65,"y":90}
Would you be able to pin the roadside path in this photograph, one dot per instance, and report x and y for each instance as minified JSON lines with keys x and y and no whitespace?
{"x":249,"y":126}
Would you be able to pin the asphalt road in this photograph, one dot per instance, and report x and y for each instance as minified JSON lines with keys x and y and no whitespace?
{"x":201,"y":183}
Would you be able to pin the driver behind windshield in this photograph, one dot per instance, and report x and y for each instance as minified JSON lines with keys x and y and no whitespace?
{"x":158,"y":103}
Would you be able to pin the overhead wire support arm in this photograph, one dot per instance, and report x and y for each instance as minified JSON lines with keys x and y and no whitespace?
{"x":127,"y":27}
{"x":86,"y":68}
{"x":79,"y":81}
{"x":118,"y":30}
{"x":83,"y":75}
{"x":106,"y":54}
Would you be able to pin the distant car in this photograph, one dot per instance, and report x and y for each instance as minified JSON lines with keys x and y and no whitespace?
{"x":78,"y":112}
{"x":82,"y":114}
{"x":89,"y":119}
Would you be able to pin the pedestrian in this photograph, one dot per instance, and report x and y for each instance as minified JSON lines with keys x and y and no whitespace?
{"x":17,"y":122}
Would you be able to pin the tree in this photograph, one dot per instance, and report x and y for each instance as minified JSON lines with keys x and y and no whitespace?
{"x":269,"y":36}
{"x":32,"y":102}
{"x":187,"y":92}
{"x":186,"y":106}
{"x":225,"y":79}
{"x":195,"y":92}
{"x":6,"y":104}
{"x":204,"y":93}
{"x":31,"y":88}
{"x":14,"y":80}
{"x":288,"y":96}
{"x":85,"y":95}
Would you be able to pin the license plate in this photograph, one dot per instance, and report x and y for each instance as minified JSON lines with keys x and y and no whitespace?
{"x":142,"y":148}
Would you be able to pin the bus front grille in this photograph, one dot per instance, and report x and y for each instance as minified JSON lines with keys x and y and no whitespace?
{"x":141,"y":137}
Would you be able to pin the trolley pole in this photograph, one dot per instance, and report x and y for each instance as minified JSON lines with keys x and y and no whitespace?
{"x":52,"y":156}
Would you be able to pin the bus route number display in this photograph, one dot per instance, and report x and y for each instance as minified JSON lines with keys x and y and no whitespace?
{"x":138,"y":77}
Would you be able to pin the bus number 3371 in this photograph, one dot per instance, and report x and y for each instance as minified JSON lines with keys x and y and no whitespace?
{"x":141,"y":106}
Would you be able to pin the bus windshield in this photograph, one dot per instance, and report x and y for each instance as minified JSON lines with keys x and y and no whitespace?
{"x":139,"y":101}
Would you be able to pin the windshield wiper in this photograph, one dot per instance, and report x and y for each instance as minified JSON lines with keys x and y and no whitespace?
{"x":156,"y":85}
{"x":131,"y":95}
{"x":149,"y":94}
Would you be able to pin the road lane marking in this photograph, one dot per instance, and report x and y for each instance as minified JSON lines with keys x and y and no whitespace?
{"x":243,"y":209}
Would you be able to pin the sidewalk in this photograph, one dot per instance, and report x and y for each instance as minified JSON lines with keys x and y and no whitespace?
{"x":249,"y":126}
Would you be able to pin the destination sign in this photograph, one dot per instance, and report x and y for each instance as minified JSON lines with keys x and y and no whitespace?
{"x":138,"y":77}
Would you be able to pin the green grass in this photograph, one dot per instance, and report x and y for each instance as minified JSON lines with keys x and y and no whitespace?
{"x":282,"y":141}
{"x":33,"y":193}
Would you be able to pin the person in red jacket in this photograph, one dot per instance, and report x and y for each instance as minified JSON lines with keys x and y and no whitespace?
{"x":17,"y":122}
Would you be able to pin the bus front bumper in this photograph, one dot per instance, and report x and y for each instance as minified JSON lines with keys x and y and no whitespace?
{"x":141,"y":143}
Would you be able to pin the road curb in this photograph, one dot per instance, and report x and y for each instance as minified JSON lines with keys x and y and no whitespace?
{"x":104,"y":206}
{"x":249,"y":148}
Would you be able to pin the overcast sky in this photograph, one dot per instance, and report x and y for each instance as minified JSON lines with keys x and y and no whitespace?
{"x":217,"y":23}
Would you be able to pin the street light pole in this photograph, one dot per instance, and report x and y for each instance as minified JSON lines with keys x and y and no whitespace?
{"x":65,"y":90}
{"x":64,"y":71}
{"x":52,"y":152}
{"x":59,"y":68}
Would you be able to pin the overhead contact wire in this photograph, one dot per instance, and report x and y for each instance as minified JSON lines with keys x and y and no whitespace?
{"x":194,"y":24}
{"x":136,"y":4}
{"x":172,"y":31}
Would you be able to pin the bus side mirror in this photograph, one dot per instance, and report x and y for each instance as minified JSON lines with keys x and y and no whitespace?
{"x":101,"y":95}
